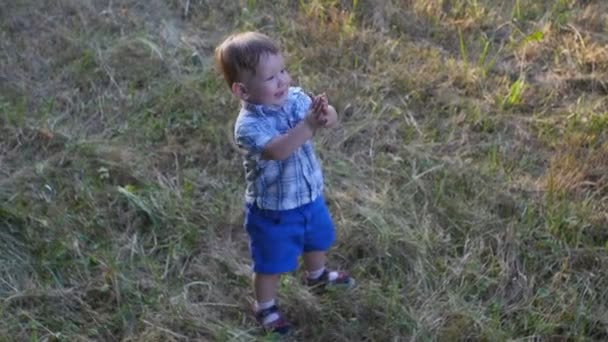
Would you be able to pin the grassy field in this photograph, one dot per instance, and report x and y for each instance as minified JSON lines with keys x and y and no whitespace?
{"x":467,"y":179}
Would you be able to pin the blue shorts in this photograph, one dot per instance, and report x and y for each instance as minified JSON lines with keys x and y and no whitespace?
{"x":278,"y":237}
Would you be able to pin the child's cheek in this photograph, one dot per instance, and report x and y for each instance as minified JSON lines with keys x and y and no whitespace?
{"x":269,"y":91}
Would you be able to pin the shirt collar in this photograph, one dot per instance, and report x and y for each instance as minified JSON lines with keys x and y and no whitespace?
{"x":264,"y":109}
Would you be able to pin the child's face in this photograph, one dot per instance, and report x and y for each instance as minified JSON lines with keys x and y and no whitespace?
{"x":271,"y":82}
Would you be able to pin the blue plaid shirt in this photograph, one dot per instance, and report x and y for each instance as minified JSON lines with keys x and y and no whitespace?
{"x":277,"y":184}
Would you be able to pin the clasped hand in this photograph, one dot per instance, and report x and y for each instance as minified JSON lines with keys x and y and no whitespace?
{"x":321,"y":113}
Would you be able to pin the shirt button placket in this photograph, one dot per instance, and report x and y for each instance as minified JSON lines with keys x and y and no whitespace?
{"x":307,"y":179}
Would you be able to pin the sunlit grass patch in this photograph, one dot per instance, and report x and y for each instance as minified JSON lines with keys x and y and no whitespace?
{"x":466,"y":177}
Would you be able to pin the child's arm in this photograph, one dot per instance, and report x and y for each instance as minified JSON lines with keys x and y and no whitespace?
{"x":284,"y":145}
{"x":281,"y":147}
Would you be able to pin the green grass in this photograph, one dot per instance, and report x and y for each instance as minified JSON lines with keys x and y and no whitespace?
{"x":467,"y":179}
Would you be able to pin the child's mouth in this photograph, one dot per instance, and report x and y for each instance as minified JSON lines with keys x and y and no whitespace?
{"x":279,"y":94}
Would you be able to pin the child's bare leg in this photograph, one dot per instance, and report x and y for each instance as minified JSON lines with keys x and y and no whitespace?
{"x":265,"y":287}
{"x":314,"y":262}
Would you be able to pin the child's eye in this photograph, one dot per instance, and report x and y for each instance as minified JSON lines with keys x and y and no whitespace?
{"x":283,"y":71}
{"x":270,"y":78}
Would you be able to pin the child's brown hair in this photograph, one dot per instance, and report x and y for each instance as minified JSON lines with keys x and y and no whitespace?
{"x":241,"y":52}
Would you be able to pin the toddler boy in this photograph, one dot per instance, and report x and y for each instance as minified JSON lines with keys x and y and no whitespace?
{"x":286,"y":215}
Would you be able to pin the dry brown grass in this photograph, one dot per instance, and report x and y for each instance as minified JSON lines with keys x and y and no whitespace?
{"x":467,"y":179}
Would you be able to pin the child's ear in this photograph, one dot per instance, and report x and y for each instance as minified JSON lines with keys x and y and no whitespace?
{"x":239,"y":90}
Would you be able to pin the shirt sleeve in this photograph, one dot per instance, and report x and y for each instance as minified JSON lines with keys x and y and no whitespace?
{"x":253,"y":135}
{"x":302,"y":102}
